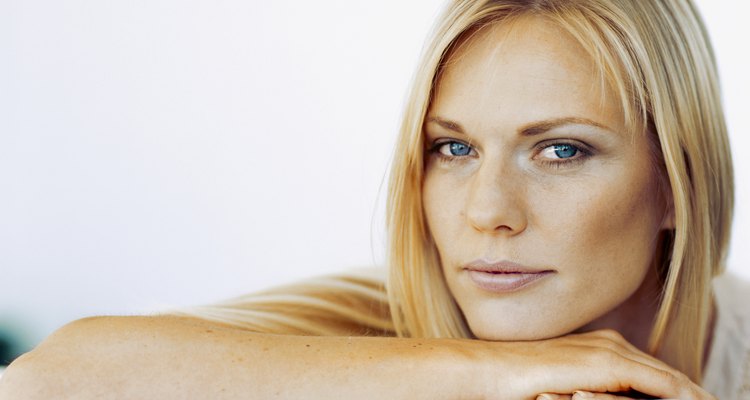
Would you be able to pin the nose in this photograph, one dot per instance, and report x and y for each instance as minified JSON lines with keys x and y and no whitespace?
{"x":496,"y":202}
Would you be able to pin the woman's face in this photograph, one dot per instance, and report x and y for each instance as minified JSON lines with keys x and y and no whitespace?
{"x":545,"y":210}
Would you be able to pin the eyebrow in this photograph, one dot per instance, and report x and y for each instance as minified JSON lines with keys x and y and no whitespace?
{"x":531,"y":129}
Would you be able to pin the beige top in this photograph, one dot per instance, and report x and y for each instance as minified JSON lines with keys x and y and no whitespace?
{"x":727,"y":374}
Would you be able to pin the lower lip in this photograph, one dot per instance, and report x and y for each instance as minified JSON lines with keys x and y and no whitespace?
{"x":505,"y":282}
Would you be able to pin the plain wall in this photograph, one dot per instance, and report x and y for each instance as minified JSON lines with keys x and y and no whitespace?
{"x":166,"y":153}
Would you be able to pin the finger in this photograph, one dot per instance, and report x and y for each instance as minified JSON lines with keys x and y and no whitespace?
{"x":613,"y":340}
{"x":606,"y":371}
{"x":553,"y":396}
{"x":664,"y":384}
{"x":582,"y":395}
{"x":599,"y":363}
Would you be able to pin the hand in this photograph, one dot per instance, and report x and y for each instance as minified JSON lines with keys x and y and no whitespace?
{"x":598,"y":365}
{"x":581,"y":395}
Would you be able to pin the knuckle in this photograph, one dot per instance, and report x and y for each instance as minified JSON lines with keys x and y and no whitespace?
{"x":689,"y":390}
{"x":608,"y":344}
{"x":678,"y":382}
{"x":607,"y":339}
{"x":611,"y":334}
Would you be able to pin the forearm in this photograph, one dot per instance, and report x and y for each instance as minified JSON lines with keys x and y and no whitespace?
{"x":161,"y":357}
{"x":174,"y":358}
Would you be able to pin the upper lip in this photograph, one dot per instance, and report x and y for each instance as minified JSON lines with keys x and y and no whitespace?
{"x":502,"y":267}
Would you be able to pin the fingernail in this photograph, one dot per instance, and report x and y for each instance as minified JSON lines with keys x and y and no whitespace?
{"x":580,"y":394}
{"x":546,"y":396}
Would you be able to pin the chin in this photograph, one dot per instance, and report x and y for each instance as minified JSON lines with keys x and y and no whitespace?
{"x":522,"y":329}
{"x":503,"y":335}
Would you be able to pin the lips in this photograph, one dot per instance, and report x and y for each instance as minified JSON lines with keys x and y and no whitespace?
{"x":504,"y":276}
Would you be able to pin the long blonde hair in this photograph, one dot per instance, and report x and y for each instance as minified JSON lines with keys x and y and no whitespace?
{"x":657,"y":57}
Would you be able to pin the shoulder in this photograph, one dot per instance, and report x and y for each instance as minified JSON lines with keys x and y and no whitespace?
{"x":728,"y":369}
{"x":732,"y":296}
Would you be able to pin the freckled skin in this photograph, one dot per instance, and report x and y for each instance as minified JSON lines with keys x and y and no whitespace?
{"x":594,"y":222}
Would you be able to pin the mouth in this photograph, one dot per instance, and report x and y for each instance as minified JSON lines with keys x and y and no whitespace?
{"x":504,"y":276}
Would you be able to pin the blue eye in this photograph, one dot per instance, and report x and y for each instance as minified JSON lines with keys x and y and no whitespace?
{"x":560,"y":151}
{"x":452,"y":149}
{"x":565,"y":150}
{"x":459,"y":149}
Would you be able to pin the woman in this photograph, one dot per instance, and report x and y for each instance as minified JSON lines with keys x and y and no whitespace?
{"x":562,"y":191}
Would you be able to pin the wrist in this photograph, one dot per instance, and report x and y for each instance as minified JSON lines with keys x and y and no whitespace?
{"x":476,"y":368}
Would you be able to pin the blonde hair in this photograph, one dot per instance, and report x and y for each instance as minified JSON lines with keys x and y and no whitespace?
{"x":354,"y":304}
{"x":657,"y":57}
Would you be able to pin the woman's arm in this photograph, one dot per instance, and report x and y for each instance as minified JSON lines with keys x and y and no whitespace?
{"x":171,"y":357}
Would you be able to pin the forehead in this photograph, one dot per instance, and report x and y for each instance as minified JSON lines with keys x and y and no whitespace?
{"x":520,"y":70}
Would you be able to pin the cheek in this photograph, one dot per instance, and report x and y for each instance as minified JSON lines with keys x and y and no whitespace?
{"x":444,"y":197}
{"x":607,"y":226}
{"x":441,"y":201}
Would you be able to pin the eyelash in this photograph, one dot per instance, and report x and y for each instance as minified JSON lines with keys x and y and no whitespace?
{"x":582,"y":153}
{"x":435,"y":150}
{"x":581,"y":149}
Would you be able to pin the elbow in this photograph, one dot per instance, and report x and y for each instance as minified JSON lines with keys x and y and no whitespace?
{"x":46,"y":372}
{"x":26,"y":379}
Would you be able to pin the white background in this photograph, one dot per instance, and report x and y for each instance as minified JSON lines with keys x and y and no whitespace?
{"x":167,"y":152}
